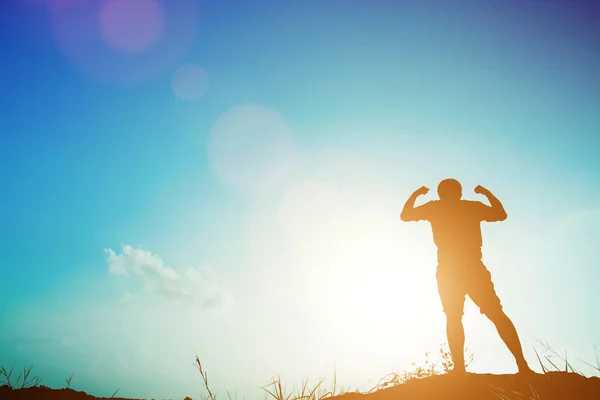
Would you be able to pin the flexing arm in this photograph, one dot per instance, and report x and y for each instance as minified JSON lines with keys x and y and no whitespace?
{"x":496,"y":212}
{"x":409,"y":212}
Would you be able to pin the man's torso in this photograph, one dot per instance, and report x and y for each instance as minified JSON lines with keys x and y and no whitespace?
{"x":456,"y":230}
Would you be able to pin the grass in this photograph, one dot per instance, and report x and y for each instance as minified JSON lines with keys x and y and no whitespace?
{"x":276,"y":391}
{"x":24,"y":380}
{"x":23,"y":377}
{"x":68,"y":380}
{"x":548,"y":359}
{"x":553,"y":359}
{"x":442,"y":365}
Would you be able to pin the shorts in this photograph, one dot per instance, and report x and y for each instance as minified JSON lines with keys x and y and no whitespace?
{"x":473,"y":279}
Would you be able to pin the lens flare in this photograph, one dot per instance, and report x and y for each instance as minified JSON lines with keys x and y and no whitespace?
{"x":190,"y":82}
{"x":251,"y":148}
{"x":131,"y":26}
{"x":123,"y":42}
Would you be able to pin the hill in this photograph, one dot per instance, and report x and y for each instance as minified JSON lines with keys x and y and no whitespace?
{"x":549,"y":386}
{"x":46,"y":393}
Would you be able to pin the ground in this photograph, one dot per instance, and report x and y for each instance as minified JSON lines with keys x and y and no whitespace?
{"x":44,"y":392}
{"x":549,"y":386}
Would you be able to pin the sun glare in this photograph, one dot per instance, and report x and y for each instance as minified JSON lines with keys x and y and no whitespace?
{"x":371,"y":284}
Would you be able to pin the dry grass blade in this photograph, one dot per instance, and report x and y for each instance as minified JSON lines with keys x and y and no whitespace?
{"x":302,"y":393}
{"x":596,"y":367}
{"x":26,"y":372}
{"x":551,"y":363}
{"x":6,"y":375}
{"x":268,"y":391}
{"x":567,"y":364}
{"x":281,"y":390}
{"x":334,"y":387}
{"x":322,"y":395}
{"x":23,"y":377}
{"x":68,"y":380}
{"x":316,"y":393}
{"x":336,"y":390}
{"x":204,"y":377}
{"x":19,"y":378}
{"x":544,"y":369}
{"x":277,"y":393}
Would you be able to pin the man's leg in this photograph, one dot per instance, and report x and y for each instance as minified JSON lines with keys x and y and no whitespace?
{"x":456,"y":340}
{"x":508,"y":333}
{"x":483,"y":294}
{"x":452,"y":296}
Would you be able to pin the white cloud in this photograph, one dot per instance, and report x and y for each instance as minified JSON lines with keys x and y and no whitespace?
{"x":165,"y":282}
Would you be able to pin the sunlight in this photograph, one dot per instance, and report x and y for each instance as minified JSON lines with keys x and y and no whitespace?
{"x":372,"y":285}
{"x":371,"y":281}
{"x":376,"y":285}
{"x":376,"y":306}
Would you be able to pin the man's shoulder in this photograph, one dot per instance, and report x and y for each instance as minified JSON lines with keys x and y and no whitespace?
{"x":432,"y":203}
{"x":431,"y":209}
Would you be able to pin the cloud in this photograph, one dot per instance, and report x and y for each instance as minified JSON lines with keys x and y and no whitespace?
{"x":164,"y":282}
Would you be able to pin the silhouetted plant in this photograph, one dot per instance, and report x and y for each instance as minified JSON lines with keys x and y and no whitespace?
{"x":442,"y":365}
{"x":26,"y":381}
{"x":317,"y":392}
{"x":597,"y":366}
{"x":68,"y":380}
{"x":553,"y":355}
{"x":204,"y":375}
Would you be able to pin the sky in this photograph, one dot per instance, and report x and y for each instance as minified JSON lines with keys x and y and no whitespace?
{"x":226,"y":177}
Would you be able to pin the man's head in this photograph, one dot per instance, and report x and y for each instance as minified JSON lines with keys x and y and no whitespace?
{"x":449,"y":190}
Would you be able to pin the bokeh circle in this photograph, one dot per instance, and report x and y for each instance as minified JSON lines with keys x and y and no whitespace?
{"x":190,"y":82}
{"x":250,"y":147}
{"x":123,"y":42}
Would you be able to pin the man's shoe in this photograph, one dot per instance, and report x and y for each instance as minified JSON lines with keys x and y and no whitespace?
{"x":525,"y":370}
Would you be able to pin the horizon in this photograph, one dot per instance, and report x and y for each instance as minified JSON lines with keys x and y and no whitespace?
{"x":227,"y":178}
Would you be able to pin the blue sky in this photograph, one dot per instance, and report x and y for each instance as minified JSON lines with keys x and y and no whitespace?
{"x":227,"y":177}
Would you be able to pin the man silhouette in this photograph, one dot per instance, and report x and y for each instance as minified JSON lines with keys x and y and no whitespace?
{"x":460,"y":271}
